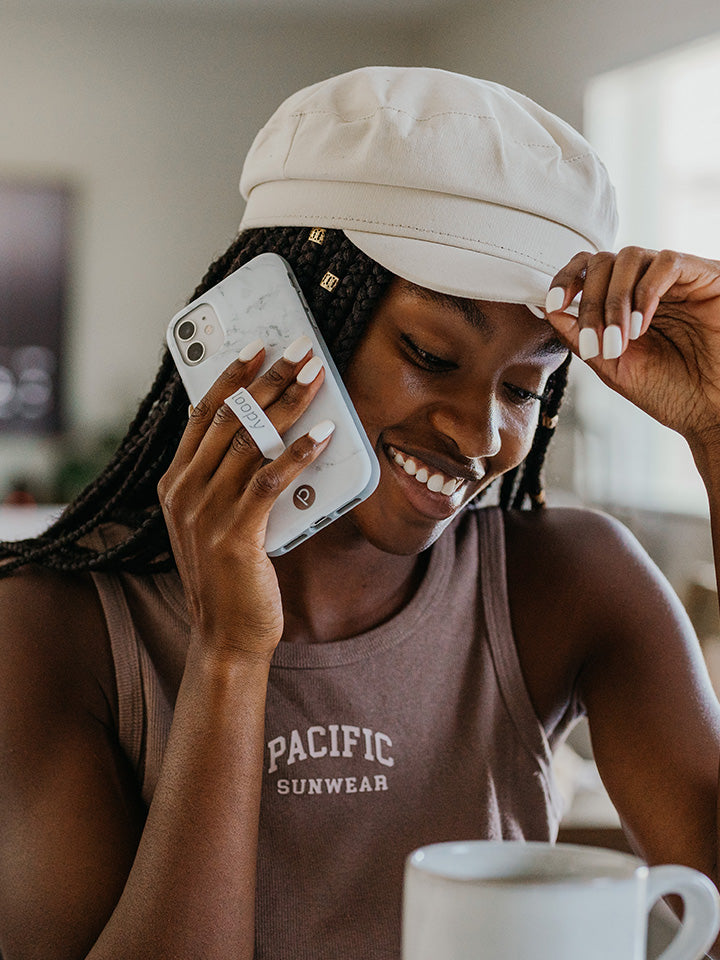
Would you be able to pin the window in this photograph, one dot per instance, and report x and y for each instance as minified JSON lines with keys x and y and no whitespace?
{"x":656,"y":124}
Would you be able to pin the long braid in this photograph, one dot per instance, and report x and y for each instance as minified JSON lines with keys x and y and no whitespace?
{"x":138,"y":439}
{"x":531,"y":484}
{"x":507,"y":488}
{"x":96,"y":503}
{"x":125,"y":493}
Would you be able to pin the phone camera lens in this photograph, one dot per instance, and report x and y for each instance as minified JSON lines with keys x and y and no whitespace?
{"x":186,"y":330}
{"x":195,"y":352}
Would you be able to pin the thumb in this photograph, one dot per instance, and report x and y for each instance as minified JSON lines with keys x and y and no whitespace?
{"x":566,"y":327}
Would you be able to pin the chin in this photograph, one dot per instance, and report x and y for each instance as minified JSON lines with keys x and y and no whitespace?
{"x":392,"y":535}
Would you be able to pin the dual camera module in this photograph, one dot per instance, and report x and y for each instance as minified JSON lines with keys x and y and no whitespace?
{"x":196,"y":350}
{"x":198,"y":334}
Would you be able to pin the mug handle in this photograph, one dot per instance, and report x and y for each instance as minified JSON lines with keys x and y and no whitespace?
{"x":701,"y":919}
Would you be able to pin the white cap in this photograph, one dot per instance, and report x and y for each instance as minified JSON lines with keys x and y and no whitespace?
{"x":454,"y":183}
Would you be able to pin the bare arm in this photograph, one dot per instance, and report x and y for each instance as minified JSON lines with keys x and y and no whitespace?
{"x":671,"y":370}
{"x":707,"y":459}
{"x":70,"y":865}
{"x":182,"y":883}
{"x":597,"y":616}
{"x":70,"y":816}
{"x":192,"y":887}
{"x":654,"y":718}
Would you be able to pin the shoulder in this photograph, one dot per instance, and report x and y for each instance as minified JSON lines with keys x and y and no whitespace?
{"x":571,"y":553}
{"x":71,"y":807}
{"x":568,"y":552}
{"x":569,"y":533}
{"x":54,"y":642}
{"x":580,"y":586}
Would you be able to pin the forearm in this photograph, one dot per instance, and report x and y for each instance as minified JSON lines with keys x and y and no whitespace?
{"x":707,"y":460}
{"x":191,"y":891}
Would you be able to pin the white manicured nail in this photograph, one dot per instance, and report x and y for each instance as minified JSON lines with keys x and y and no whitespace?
{"x":297,"y":349}
{"x":251,"y":350}
{"x":309,"y":371}
{"x":554,"y":299}
{"x":588,"y":344}
{"x":321,"y":431}
{"x":612,"y":342}
{"x":636,"y":322}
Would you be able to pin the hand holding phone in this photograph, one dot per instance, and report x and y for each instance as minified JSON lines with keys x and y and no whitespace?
{"x":217,"y":495}
{"x":262,"y":300}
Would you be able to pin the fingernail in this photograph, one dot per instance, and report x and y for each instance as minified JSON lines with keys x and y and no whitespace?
{"x":309,"y":371}
{"x":297,"y":349}
{"x":636,"y":322}
{"x":190,"y":410}
{"x":554,"y":299}
{"x":612,"y":342}
{"x":321,"y":431}
{"x":588,"y":344}
{"x":251,"y":350}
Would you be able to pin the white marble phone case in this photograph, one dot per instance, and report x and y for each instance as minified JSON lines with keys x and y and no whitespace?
{"x":262,"y":299}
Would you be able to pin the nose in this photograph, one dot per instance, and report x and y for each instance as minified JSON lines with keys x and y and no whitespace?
{"x":473,"y":425}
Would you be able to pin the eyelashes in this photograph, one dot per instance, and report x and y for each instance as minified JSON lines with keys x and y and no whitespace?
{"x":524,"y":396}
{"x":434,"y":364}
{"x":428,"y":361}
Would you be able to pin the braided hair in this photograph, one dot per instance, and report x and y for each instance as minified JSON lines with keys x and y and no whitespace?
{"x":525,"y":480}
{"x":116,"y":522}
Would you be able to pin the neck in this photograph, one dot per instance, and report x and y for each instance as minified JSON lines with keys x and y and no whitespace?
{"x":337,"y":585}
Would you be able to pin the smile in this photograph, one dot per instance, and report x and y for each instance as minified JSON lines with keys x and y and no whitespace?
{"x":435,"y":481}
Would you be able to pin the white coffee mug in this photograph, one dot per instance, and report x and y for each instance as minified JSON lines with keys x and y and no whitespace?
{"x":490,"y":900}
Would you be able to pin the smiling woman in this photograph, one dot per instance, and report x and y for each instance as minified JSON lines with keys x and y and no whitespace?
{"x":232,"y":755}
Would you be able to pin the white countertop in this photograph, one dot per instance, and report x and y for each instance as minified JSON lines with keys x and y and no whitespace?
{"x":17,"y":523}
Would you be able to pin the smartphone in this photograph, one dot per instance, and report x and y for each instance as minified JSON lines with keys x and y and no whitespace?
{"x":263,"y":299}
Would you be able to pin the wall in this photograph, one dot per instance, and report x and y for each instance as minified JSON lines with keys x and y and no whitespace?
{"x":548,"y":49}
{"x":148,"y":118}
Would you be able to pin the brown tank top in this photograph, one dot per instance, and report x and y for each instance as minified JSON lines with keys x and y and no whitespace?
{"x":417,"y":731}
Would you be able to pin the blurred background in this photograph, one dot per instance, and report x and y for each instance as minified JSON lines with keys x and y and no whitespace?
{"x":123,"y":126}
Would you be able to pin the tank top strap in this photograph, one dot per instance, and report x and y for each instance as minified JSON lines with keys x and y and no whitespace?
{"x":493,"y":577}
{"x":128,"y":673}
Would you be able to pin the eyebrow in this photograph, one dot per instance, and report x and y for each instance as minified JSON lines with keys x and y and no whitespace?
{"x":473,"y":314}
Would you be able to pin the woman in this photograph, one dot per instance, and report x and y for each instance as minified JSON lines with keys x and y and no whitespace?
{"x":209,"y":753}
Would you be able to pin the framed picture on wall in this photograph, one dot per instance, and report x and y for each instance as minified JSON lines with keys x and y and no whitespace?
{"x":34,"y":279}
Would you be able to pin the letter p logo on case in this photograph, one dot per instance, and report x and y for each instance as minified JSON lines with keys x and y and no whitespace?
{"x":304,"y":497}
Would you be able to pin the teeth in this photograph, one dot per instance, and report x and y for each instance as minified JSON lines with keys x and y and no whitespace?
{"x":436,"y":482}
